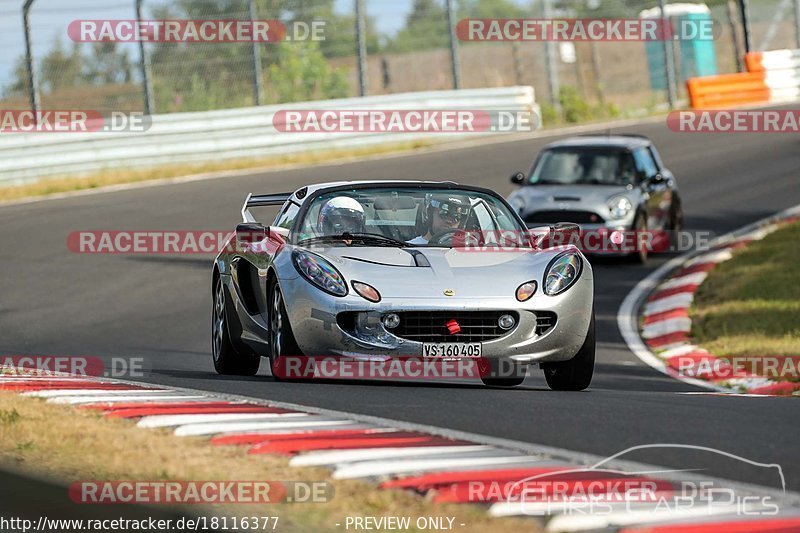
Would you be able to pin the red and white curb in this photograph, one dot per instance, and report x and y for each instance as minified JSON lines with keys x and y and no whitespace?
{"x":441,"y":464}
{"x":654,"y":317}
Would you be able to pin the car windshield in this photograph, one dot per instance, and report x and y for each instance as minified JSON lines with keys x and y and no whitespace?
{"x":384,"y":216}
{"x":584,"y":166}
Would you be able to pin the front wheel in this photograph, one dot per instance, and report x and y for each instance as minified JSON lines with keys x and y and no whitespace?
{"x":227,"y":360}
{"x":281,"y":338}
{"x":640,"y":229}
{"x":575,"y":374}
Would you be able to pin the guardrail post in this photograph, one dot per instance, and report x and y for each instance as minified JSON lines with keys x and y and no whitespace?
{"x":144,"y":64}
{"x":668,"y":56}
{"x":745,"y":24}
{"x":451,"y":25}
{"x":258,"y":91}
{"x":361,"y":47}
{"x":33,"y":82}
{"x":797,"y":22}
{"x":550,"y":60}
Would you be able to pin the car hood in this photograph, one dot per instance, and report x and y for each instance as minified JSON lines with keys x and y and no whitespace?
{"x":569,"y":197}
{"x":468,"y":273}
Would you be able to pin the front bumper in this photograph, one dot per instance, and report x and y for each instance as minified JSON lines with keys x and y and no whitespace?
{"x":312,"y":315}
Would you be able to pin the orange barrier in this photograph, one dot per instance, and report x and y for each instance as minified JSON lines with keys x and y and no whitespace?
{"x":728,"y":90}
{"x":754,"y":61}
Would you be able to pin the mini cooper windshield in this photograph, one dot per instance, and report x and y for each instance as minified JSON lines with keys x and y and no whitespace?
{"x":402,"y":217}
{"x":584,"y":166}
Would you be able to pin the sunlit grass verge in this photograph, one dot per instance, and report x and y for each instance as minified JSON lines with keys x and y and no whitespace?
{"x":67,"y":445}
{"x":105,"y":178}
{"x":750,"y":304}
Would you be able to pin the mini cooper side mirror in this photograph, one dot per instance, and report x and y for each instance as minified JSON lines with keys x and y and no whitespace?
{"x":249,"y":233}
{"x":564,"y":233}
{"x":517,"y":178}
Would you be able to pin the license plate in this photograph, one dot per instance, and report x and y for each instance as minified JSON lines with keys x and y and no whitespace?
{"x":451,"y":349}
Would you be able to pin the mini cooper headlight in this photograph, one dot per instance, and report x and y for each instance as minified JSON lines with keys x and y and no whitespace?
{"x":319,"y":272}
{"x":619,"y":206}
{"x":562,"y":272}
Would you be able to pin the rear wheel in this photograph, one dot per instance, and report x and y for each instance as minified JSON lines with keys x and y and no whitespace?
{"x":227,"y":359}
{"x":282,"y":342}
{"x":575,"y":374}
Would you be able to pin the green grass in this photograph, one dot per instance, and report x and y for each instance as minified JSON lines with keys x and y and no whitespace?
{"x":750,"y":305}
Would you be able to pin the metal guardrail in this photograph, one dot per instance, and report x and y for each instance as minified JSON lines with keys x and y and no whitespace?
{"x":229,"y":134}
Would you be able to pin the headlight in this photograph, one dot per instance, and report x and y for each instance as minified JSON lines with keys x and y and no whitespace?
{"x":320,"y":272}
{"x":562,"y":272}
{"x":619,"y":206}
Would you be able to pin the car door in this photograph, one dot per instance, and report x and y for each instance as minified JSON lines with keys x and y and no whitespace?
{"x":249,"y":266}
{"x":654,"y":186}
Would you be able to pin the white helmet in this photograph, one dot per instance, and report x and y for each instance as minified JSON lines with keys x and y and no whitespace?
{"x":341,"y":214}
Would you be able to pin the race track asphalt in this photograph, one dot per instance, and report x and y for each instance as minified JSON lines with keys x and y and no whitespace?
{"x":158,"y":307}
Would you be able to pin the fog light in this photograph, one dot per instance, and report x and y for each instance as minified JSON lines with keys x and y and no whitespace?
{"x":505,"y":322}
{"x":391,"y":321}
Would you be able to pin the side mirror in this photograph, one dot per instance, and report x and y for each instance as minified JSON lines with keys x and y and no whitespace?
{"x":518,"y":178}
{"x":249,"y":233}
{"x":565,"y":233}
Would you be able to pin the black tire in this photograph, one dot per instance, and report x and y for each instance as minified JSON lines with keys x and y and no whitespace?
{"x":676,"y":222}
{"x":227,"y":359}
{"x":639,"y":226}
{"x":575,"y":374}
{"x":281,"y":338}
{"x":500,"y":368}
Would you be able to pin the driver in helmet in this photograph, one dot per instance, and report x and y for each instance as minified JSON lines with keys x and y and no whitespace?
{"x":341,"y":214}
{"x":442,"y":213}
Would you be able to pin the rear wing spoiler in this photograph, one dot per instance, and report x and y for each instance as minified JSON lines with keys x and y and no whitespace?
{"x":262,"y":200}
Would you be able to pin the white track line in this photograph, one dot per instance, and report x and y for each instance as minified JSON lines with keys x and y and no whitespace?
{"x":369,"y":469}
{"x":162,"y":421}
{"x":689,"y":279}
{"x":682,"y":300}
{"x":665,"y":327}
{"x":573,"y":522}
{"x":325,"y":458}
{"x":717,"y":256}
{"x":311,"y":422}
{"x":683,"y":349}
{"x":76,"y":400}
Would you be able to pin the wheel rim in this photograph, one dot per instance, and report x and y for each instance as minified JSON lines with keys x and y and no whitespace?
{"x":218,"y":321}
{"x":276,"y":324}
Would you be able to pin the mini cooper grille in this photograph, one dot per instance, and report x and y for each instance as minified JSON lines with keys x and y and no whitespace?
{"x":578,"y":217}
{"x":545,"y":320}
{"x":429,"y":326}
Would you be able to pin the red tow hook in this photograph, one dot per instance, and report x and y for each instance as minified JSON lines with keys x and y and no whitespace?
{"x":453,"y":327}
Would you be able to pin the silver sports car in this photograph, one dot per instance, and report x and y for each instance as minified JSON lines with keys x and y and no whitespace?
{"x":402,"y":269}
